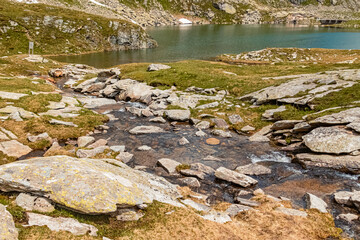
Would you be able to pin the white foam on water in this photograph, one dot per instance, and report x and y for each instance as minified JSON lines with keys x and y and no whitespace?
{"x":272,"y":157}
{"x":347,"y":176}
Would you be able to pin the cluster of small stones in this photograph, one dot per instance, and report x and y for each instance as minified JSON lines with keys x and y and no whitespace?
{"x":111,"y":89}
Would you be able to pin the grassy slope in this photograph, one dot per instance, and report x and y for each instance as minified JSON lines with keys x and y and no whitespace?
{"x":90,"y":32}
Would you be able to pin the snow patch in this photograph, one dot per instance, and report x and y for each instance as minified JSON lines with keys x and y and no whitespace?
{"x":185,"y":21}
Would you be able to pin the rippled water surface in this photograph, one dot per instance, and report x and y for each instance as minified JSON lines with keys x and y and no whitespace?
{"x":207,"y":41}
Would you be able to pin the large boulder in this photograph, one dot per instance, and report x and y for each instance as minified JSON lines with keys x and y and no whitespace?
{"x":8,"y":230}
{"x":90,"y":186}
{"x":332,"y":140}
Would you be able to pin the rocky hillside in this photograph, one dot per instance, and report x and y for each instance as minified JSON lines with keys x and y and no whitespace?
{"x":168,"y":12}
{"x":55,"y":30}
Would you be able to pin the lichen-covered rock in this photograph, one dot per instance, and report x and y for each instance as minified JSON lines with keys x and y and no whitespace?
{"x":101,"y":185}
{"x":332,"y":140}
{"x":8,"y":230}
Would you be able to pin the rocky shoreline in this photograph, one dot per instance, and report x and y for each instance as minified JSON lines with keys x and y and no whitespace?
{"x":123,"y":181}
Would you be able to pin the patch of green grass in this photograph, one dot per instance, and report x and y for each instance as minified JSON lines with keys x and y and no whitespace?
{"x":24,"y":85}
{"x":37,"y":103}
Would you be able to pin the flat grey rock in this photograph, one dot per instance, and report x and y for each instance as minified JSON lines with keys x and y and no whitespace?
{"x":59,"y":122}
{"x":11,"y":95}
{"x":234,"y":177}
{"x":178,"y":115}
{"x":168,"y":164}
{"x":34,"y":203}
{"x":253,"y":169}
{"x":146,"y":130}
{"x":190,"y":181}
{"x":61,"y":224}
{"x":291,"y":212}
{"x":85,"y":141}
{"x":235,"y":209}
{"x":14,"y":148}
{"x":157,"y":67}
{"x":125,"y":157}
{"x":343,"y":117}
{"x":332,"y":140}
{"x":285,"y":124}
{"x":344,"y":163}
{"x":247,"y":202}
{"x":314,"y":202}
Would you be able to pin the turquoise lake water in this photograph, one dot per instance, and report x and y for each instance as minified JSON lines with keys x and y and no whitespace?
{"x":207,"y":41}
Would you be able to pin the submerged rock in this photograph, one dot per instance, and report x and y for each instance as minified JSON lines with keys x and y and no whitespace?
{"x":8,"y":230}
{"x":253,"y":169}
{"x":101,"y":185}
{"x":146,"y":130}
